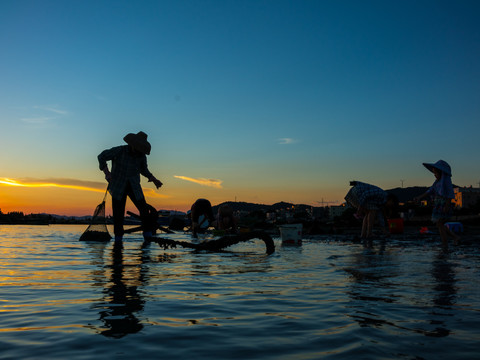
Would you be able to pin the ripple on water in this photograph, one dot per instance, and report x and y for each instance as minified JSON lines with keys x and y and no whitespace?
{"x":329,"y":298}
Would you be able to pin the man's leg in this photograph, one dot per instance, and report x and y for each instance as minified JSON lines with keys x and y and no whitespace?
{"x":118,"y":209}
{"x":146,"y":215}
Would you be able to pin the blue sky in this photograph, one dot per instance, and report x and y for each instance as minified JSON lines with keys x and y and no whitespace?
{"x":274,"y":100}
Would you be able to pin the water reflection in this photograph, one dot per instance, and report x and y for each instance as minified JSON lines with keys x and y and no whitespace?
{"x":376,"y":278}
{"x":122,"y":299}
{"x":371,"y":266}
{"x":97,"y":251}
{"x":445,"y":292}
{"x":327,"y":299}
{"x":372,"y":271}
{"x":445,"y":279}
{"x":123,"y":280}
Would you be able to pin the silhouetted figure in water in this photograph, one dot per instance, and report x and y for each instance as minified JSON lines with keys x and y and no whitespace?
{"x":442,"y":195}
{"x":128,"y":162}
{"x":202,"y":216}
{"x":226,"y":220}
{"x":371,"y":203}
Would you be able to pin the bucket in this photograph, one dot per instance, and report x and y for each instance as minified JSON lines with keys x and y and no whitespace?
{"x":291,"y":234}
{"x":395,"y":226}
{"x":455,"y":227}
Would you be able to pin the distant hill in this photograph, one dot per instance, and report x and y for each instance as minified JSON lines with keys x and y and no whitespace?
{"x":403,"y":195}
{"x":250,"y":207}
{"x":407,"y":194}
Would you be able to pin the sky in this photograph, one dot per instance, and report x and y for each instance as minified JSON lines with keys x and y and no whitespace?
{"x":257,"y":101}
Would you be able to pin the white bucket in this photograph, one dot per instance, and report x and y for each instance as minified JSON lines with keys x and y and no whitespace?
{"x":291,"y":233}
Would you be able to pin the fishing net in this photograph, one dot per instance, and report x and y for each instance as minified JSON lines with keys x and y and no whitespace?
{"x":97,"y":230}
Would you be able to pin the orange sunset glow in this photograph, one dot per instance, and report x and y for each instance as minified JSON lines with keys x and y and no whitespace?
{"x":56,"y":196}
{"x":11,"y":182}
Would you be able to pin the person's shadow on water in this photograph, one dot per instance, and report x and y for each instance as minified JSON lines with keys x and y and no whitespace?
{"x":122,"y":300}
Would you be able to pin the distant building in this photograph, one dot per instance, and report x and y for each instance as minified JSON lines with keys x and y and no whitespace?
{"x":466,"y":197}
{"x":336,"y":210}
{"x":319,"y":213}
{"x":271,"y":217}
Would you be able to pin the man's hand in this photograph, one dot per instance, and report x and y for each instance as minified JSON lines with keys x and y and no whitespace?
{"x":108,"y":174}
{"x":156,"y":182}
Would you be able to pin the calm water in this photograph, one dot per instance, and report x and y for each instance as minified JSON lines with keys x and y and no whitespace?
{"x":330,"y":298}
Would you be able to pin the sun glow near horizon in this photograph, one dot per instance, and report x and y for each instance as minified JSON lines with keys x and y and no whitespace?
{"x":72,"y":197}
{"x":57,"y":196}
{"x":41,"y":183}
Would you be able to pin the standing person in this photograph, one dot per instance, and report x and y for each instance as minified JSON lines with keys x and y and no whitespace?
{"x":128,"y":162}
{"x":370,"y":201}
{"x":442,"y":195}
{"x":202,"y":216}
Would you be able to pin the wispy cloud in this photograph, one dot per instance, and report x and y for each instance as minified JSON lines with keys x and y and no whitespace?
{"x":45,"y":115}
{"x":286,"y":141}
{"x":66,"y":183}
{"x":55,"y":109}
{"x":151,"y":193}
{"x":201,"y":181}
{"x":100,"y":98}
{"x":39,"y":120}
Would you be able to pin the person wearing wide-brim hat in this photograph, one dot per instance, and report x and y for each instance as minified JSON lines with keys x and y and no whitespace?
{"x":128,"y":162}
{"x":442,"y":195}
{"x":440,"y":165}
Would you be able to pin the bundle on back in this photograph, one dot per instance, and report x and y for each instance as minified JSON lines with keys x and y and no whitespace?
{"x":97,"y":230}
